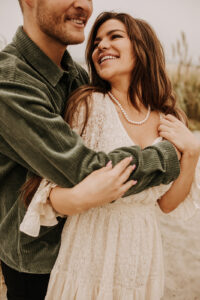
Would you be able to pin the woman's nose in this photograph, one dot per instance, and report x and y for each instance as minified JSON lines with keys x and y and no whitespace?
{"x":103,"y":44}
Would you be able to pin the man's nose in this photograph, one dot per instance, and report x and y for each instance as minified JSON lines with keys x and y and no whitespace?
{"x":85,"y":5}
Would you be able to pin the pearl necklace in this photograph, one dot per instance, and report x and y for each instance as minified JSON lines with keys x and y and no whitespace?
{"x":125,"y":114}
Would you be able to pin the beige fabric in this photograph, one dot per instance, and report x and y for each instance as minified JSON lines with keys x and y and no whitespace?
{"x":112,"y":252}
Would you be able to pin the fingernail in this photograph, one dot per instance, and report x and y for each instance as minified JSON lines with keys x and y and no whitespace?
{"x":109,"y":164}
{"x":133,"y":166}
{"x":130,"y":157}
{"x":134,"y":182}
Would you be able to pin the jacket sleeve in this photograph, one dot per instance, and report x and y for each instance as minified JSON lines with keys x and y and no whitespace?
{"x":33,"y":135}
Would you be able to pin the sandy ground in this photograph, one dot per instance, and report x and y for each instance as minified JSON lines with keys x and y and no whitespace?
{"x":181,"y":243}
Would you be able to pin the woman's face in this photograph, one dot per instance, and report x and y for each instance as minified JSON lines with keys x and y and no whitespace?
{"x":113,"y":52}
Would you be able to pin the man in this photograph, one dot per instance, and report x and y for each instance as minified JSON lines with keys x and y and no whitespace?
{"x":37,"y":75}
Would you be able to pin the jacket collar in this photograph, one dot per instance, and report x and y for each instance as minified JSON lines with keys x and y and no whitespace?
{"x":41,"y":62}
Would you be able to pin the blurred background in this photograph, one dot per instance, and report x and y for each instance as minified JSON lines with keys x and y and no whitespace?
{"x":168,"y":17}
{"x":177,"y":24}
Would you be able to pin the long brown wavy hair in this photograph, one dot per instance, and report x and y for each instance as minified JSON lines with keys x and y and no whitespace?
{"x":149,"y":79}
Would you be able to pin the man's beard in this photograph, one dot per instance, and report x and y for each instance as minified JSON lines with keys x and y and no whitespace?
{"x":53,"y":25}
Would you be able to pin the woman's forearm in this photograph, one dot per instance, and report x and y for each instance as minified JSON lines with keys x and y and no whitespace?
{"x":65,"y":202}
{"x":182,"y":185}
{"x":98,"y":188}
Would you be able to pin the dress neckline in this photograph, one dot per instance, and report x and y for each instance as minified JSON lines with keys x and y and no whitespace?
{"x":158,"y":139}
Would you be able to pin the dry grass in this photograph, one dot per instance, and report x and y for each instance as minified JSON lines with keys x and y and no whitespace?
{"x":185,"y":78}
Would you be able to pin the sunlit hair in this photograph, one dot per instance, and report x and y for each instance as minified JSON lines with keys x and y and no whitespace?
{"x":149,"y":80}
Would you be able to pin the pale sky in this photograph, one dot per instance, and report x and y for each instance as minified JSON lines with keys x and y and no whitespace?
{"x":167,"y":17}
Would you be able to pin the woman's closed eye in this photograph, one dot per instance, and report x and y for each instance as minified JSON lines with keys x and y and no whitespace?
{"x":116,"y":36}
{"x":112,"y":37}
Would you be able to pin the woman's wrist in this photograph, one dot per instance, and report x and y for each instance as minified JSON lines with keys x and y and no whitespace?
{"x":78,"y":200}
{"x":193,"y":150}
{"x":189,"y":160}
{"x":66,"y":201}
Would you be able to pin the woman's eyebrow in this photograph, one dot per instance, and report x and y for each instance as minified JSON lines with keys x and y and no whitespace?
{"x":109,"y":33}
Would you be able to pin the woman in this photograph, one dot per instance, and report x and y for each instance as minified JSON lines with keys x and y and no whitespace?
{"x":114,"y":251}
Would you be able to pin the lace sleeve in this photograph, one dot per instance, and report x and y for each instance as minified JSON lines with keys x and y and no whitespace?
{"x":40,"y":212}
{"x":94,"y":127}
{"x":189,"y":206}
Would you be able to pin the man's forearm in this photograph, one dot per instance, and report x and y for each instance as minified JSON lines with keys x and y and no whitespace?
{"x":157,"y":164}
{"x":154,"y":165}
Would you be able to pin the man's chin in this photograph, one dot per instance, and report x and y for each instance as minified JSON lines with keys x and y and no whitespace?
{"x":77,"y":41}
{"x":73,"y":37}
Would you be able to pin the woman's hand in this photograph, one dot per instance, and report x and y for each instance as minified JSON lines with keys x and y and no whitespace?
{"x":100,"y":187}
{"x":178,"y":134}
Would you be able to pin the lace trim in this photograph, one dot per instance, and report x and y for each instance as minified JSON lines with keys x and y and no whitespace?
{"x":40,"y":212}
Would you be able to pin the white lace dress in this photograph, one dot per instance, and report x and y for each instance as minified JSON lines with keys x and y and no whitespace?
{"x":113,"y":252}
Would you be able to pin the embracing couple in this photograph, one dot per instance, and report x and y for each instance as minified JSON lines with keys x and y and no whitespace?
{"x":86,"y":162}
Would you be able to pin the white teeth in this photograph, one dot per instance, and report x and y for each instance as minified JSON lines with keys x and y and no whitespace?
{"x":107,"y":57}
{"x":77,"y":21}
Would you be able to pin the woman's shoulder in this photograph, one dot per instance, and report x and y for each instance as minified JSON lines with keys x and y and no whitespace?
{"x":98,"y":96}
{"x":98,"y":100}
{"x":98,"y":108}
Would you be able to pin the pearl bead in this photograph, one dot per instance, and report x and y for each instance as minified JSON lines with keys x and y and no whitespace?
{"x":125,"y":114}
